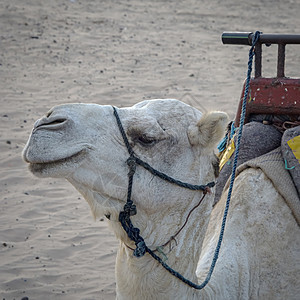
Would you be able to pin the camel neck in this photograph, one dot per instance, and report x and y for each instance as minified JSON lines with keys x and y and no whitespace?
{"x":140,"y":277}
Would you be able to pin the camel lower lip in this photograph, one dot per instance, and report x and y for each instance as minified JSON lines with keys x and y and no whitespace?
{"x":37,"y":168}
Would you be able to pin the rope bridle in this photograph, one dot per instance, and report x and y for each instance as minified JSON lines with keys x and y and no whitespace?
{"x":130,"y":209}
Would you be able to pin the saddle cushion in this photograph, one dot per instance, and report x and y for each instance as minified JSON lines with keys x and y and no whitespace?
{"x":257,"y":139}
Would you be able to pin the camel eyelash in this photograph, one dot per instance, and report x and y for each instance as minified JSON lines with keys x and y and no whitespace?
{"x":146,"y":141}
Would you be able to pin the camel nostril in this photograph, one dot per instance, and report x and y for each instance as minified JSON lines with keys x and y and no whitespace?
{"x":49,"y":113}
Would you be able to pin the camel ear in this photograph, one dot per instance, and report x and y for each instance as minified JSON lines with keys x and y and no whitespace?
{"x":209,"y":130}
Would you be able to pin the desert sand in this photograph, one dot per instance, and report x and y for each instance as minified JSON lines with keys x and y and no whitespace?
{"x":106,"y":52}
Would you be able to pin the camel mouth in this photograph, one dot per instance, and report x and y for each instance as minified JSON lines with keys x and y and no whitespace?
{"x":44,"y":168}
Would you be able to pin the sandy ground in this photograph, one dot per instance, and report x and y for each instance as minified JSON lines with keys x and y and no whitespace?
{"x":107,"y":52}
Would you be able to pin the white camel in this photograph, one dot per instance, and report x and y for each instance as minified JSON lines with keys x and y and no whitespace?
{"x":259,"y":257}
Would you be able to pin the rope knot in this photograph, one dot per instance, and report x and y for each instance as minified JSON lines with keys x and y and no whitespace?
{"x":136,"y":234}
{"x":130,"y":208}
{"x":131,"y":162}
{"x":140,"y":249}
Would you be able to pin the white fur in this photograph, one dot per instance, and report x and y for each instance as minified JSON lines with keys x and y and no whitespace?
{"x":259,"y":256}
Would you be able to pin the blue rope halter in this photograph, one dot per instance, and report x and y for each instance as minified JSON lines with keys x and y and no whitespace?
{"x":130,"y":209}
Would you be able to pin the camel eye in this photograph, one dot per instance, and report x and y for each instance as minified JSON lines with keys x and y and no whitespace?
{"x":146,"y":141}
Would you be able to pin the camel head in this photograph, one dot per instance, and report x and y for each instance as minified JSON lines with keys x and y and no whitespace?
{"x":82,"y":143}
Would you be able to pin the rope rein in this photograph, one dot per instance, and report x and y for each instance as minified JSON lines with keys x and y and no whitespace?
{"x":130,"y":209}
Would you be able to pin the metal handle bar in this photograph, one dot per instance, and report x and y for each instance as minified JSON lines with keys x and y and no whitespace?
{"x":245,"y":38}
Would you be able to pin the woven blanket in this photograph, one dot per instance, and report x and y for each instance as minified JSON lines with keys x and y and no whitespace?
{"x":272,"y":164}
